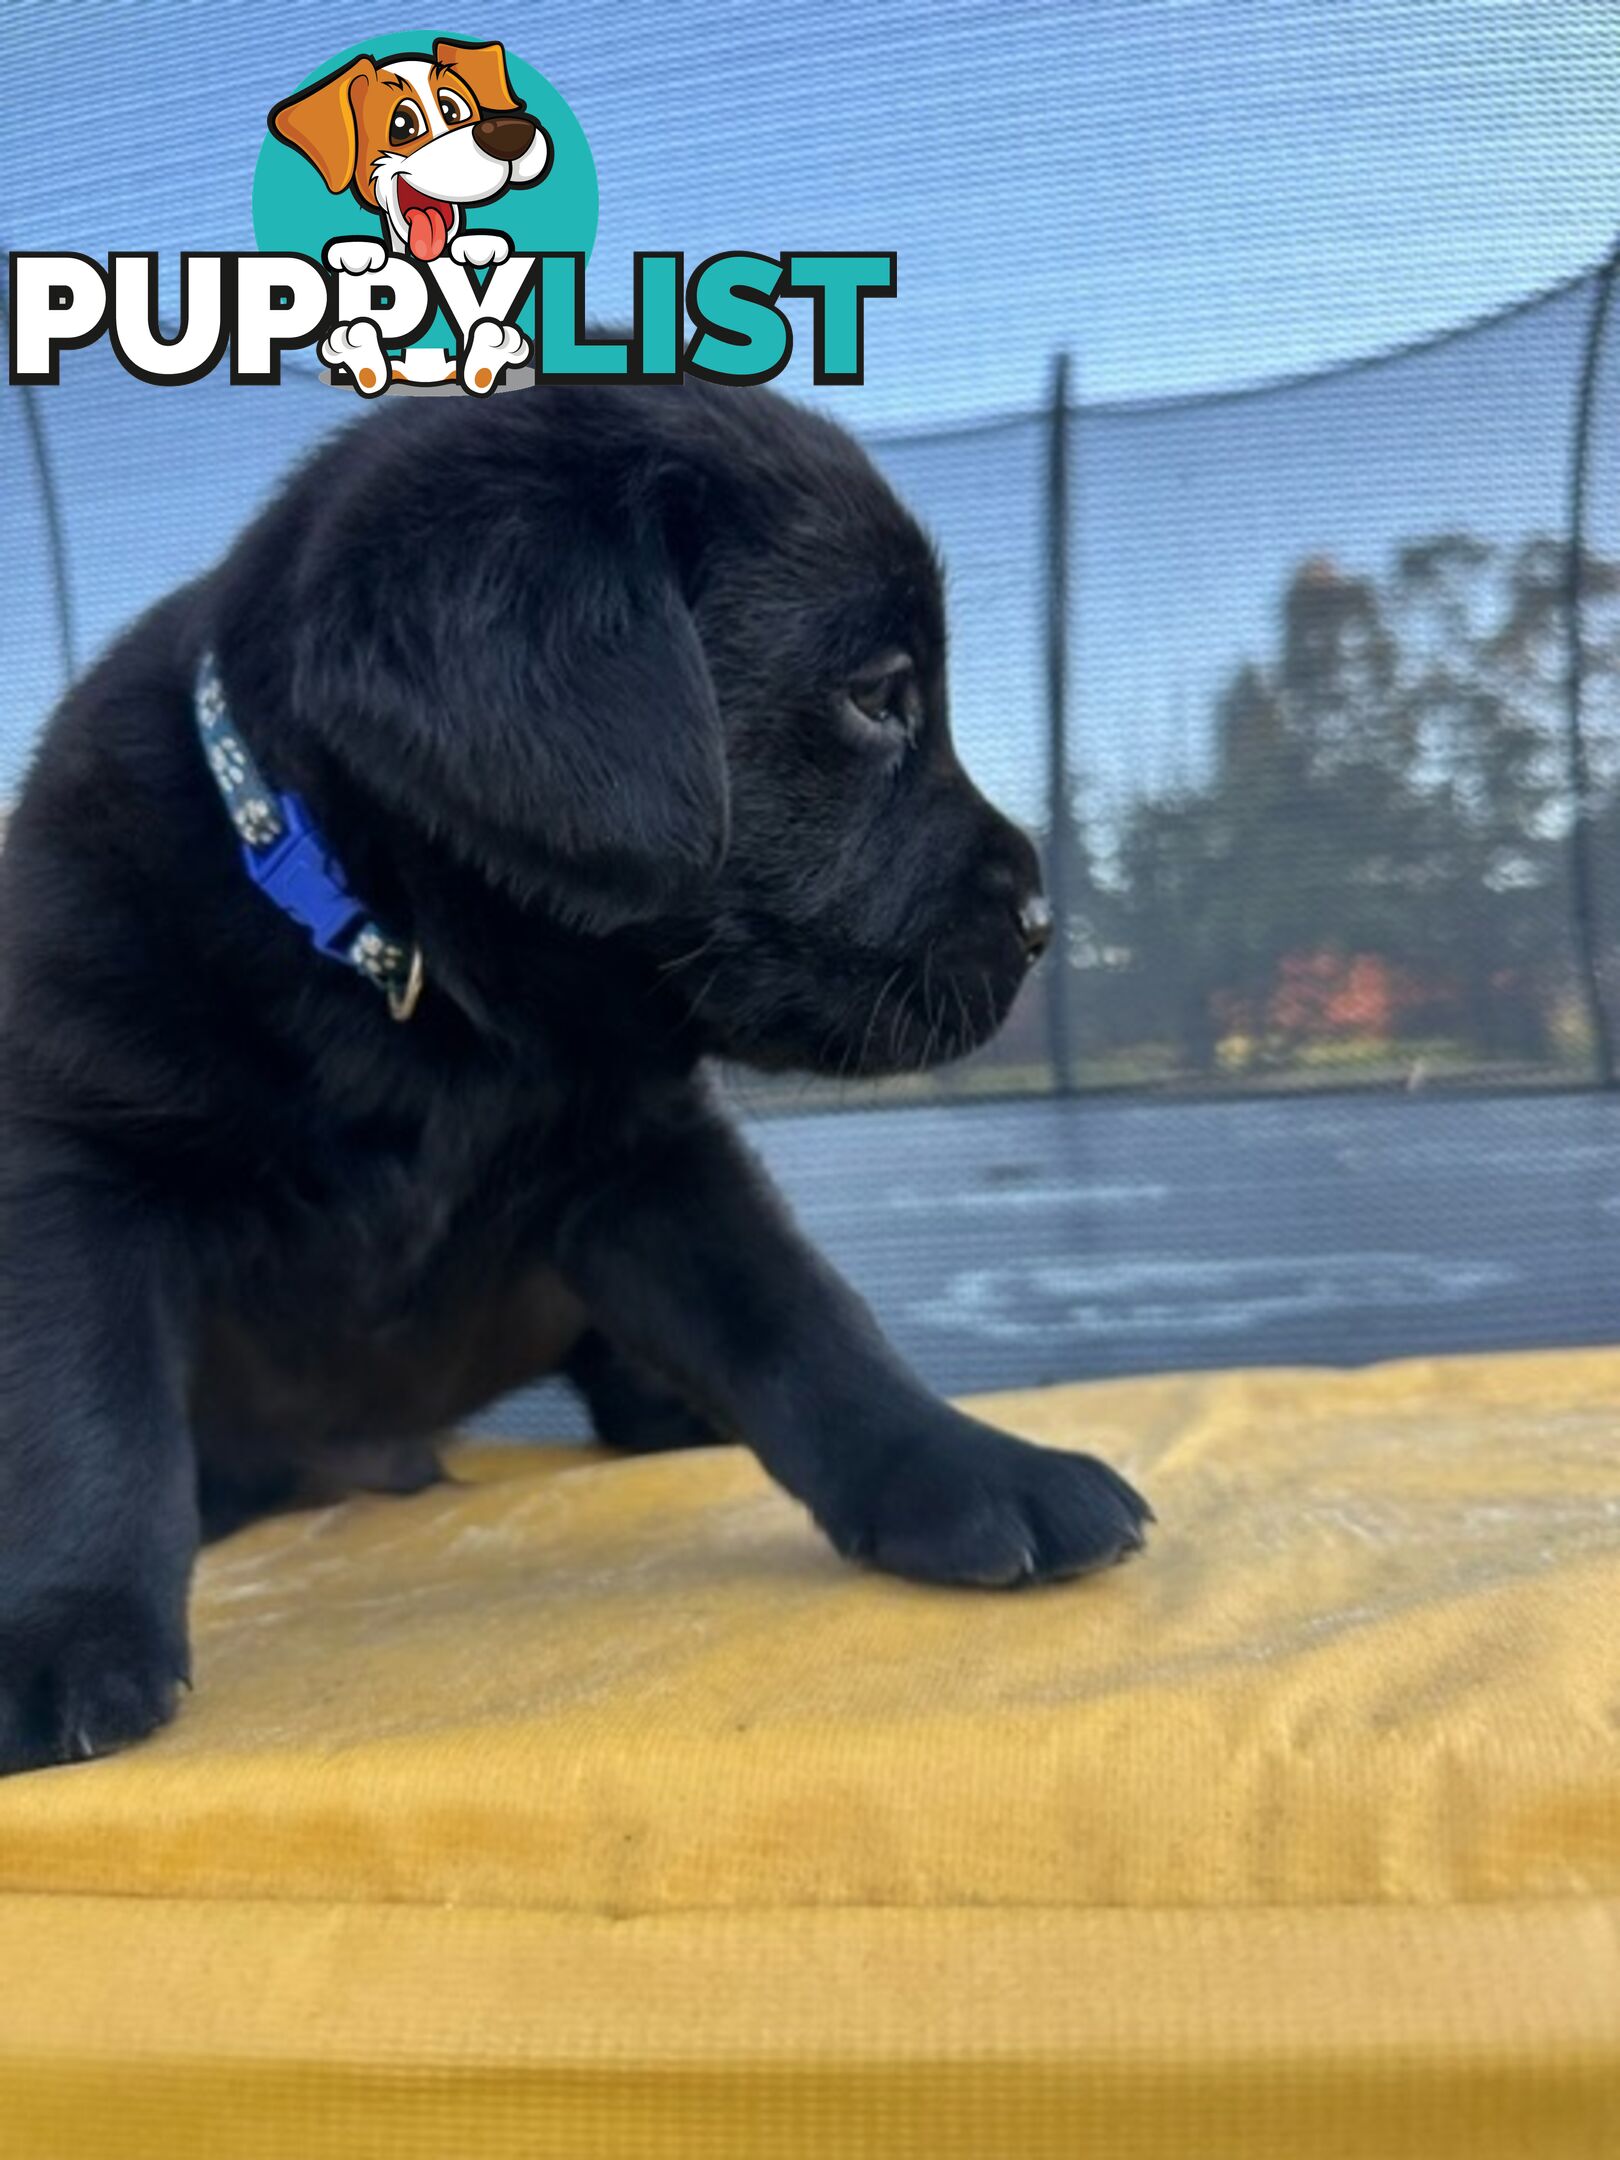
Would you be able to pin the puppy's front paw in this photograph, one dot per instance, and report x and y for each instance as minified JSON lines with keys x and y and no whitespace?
{"x":480,"y":250}
{"x":106,"y":1675}
{"x":973,"y":1505}
{"x":358,"y":258}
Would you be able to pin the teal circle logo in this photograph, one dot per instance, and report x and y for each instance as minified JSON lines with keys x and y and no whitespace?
{"x":419,"y":103}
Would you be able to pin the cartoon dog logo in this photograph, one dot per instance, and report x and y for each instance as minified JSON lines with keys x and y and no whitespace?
{"x":416,"y":139}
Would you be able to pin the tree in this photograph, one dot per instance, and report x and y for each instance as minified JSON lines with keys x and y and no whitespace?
{"x":1381,"y":841}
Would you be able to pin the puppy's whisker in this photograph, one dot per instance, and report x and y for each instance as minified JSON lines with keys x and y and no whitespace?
{"x":964,"y":1018}
{"x":872,"y":1019}
{"x":824,"y":1047}
{"x":688,"y":959}
{"x":701,"y":995}
{"x":931,"y":1024}
{"x":694,"y":1003}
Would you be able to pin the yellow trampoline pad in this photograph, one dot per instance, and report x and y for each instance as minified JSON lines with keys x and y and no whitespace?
{"x":592,"y":1807}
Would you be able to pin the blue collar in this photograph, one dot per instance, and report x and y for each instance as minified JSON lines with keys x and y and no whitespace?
{"x":288,"y":859}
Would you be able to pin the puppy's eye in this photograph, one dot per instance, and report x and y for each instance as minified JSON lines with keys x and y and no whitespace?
{"x":887,"y":699}
{"x":454,"y":109}
{"x":407,"y":123}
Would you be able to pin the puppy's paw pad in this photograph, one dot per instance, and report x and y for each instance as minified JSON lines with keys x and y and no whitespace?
{"x":480,"y":250}
{"x":996,"y":1512}
{"x":357,"y":347}
{"x":491,"y":349}
{"x":358,"y":258}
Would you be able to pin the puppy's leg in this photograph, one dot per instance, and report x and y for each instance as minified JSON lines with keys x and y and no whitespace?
{"x":631,"y":1408}
{"x":699,"y":1269}
{"x":98,"y":1511}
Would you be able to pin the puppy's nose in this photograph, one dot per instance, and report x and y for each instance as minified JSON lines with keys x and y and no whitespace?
{"x":1035,"y":926}
{"x":504,"y":135}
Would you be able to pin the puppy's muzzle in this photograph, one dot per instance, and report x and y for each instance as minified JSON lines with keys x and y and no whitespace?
{"x":504,"y":135}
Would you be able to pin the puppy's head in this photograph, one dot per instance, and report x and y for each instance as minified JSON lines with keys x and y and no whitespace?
{"x":677,"y":670}
{"x":416,"y":137}
{"x":873,"y":912}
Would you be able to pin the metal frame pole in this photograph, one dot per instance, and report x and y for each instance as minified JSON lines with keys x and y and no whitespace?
{"x":1059,"y":805}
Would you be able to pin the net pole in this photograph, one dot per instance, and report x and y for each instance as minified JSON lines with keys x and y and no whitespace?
{"x":1582,"y":883}
{"x":1059,"y":801}
{"x":39,"y":451}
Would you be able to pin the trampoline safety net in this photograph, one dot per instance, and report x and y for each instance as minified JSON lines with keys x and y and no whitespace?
{"x":1311,"y":694}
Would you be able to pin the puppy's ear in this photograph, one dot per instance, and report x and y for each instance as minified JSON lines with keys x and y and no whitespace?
{"x":539,"y":704}
{"x":320,"y":122}
{"x":483,"y":69}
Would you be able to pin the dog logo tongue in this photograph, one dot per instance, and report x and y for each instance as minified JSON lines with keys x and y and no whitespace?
{"x":429,"y":229}
{"x":427,"y":221}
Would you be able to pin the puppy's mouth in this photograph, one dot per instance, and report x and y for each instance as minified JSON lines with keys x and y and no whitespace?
{"x":427,"y":220}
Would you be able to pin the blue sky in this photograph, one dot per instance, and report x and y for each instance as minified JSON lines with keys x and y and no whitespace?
{"x":1187,"y":194}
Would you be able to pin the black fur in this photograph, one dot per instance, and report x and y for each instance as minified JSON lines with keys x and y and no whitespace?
{"x":564,"y":678}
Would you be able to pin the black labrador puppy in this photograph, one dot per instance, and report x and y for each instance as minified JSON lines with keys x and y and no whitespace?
{"x":619,"y":718}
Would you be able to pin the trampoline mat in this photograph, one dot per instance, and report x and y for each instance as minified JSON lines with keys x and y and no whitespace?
{"x":592,"y":1807}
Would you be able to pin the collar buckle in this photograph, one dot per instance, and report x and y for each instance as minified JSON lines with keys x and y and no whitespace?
{"x":300,"y":876}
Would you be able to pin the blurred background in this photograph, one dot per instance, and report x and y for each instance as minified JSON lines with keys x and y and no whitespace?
{"x":1253,"y":365}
